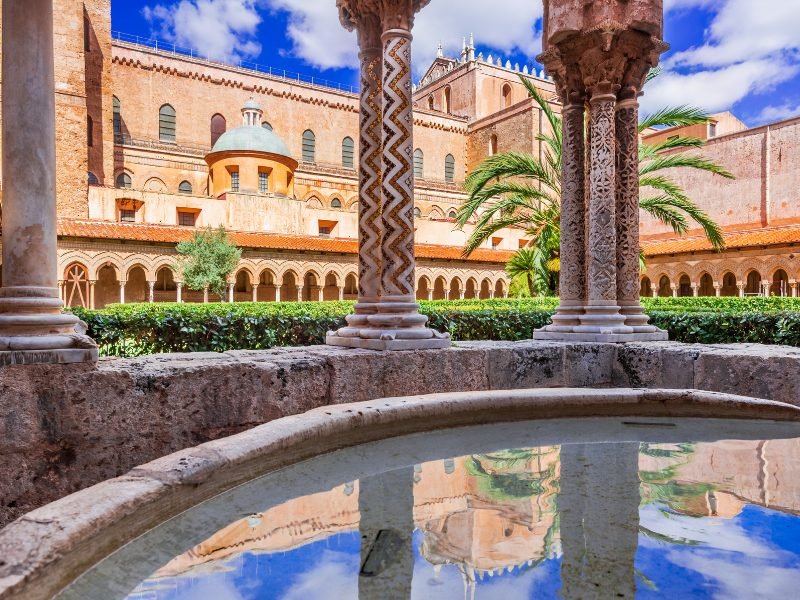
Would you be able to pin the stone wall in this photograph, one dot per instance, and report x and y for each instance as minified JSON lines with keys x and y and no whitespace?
{"x":63,"y":428}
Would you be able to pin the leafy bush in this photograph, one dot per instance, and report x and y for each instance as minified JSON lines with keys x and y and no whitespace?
{"x":137,"y":329}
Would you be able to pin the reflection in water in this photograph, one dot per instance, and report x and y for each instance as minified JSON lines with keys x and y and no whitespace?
{"x":578,"y":521}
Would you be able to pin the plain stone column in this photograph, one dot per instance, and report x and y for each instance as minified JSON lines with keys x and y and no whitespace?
{"x":178,"y":292}
{"x":695,"y":290}
{"x":717,"y":290}
{"x":122,"y":292}
{"x":33,"y":328}
{"x":205,"y":295}
{"x":231,"y":292}
{"x":92,"y":283}
{"x":151,"y":291}
{"x":255,"y":292}
{"x":741,"y":287}
{"x":386,"y":505}
{"x":340,"y":290}
{"x":277,"y":293}
{"x":299,"y":293}
{"x":674,"y":291}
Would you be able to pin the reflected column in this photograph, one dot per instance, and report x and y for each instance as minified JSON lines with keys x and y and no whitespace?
{"x":598,"y":505}
{"x":386,"y":504}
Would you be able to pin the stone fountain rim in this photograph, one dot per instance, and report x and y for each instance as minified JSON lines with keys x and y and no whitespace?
{"x":46,"y":549}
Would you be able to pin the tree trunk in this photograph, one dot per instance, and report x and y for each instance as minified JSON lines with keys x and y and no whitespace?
{"x":530,"y":285}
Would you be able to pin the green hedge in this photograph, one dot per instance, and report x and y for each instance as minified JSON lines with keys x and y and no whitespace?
{"x":137,"y":329}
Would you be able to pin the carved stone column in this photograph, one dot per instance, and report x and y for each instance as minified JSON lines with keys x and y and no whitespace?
{"x":387,"y":316}
{"x":572,"y":278}
{"x":33,"y":327}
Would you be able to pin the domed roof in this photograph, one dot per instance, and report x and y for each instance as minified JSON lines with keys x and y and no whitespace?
{"x":253,"y":139}
{"x":252,"y":104}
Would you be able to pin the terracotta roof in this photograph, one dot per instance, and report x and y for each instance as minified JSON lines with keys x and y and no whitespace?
{"x":734,"y":240}
{"x":274,"y":241}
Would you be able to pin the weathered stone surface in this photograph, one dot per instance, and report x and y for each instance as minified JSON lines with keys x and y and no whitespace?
{"x":63,"y":428}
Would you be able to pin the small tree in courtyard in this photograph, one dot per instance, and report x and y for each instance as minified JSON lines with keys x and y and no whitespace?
{"x":207,"y":260}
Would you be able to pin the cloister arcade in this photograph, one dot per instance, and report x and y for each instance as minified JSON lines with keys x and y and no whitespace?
{"x":97,"y":281}
{"x":747,"y":278}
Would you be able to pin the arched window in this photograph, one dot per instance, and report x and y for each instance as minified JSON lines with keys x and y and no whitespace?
{"x":753,"y":287}
{"x":449,"y":168}
{"x":89,"y":132}
{"x":185,"y":187}
{"x":506,"y":96}
{"x":419,"y":163}
{"x":218,"y":127}
{"x":645,"y":288}
{"x":117,"y":108}
{"x":124,"y":181}
{"x":417,"y":212}
{"x":348,"y":151}
{"x":430,"y":102}
{"x":336,"y":203}
{"x":452,"y":214}
{"x":92,"y":178}
{"x":493,"y":145}
{"x":166,"y":123}
{"x":309,"y":146}
{"x":266,"y":125}
{"x":446,"y":103}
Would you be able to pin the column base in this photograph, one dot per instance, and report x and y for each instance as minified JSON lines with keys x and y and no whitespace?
{"x":544,"y":334}
{"x":394,"y":324}
{"x":60,"y":356}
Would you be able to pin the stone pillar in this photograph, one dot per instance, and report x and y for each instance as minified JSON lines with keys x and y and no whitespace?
{"x":341,"y":292}
{"x":61,"y":290}
{"x":151,"y":291}
{"x":491,"y":294}
{"x":741,"y":287}
{"x":92,"y":283}
{"x":255,"y":292}
{"x":460,"y":293}
{"x":277,"y":293}
{"x":386,"y":526}
{"x":122,"y":292}
{"x":765,"y":285}
{"x":600,"y":51}
{"x":33,"y":328}
{"x":178,"y":292}
{"x":386,"y":316}
{"x":299,"y":293}
{"x":572,"y":278}
{"x":205,"y":295}
{"x":695,"y":289}
{"x":717,"y":290}
{"x":231,"y":292}
{"x":601,"y":313}
{"x":793,"y":289}
{"x":674,"y":291}
{"x":430,"y":294}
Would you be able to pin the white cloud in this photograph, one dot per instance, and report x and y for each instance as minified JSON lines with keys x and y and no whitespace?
{"x":770,"y":114}
{"x":318,"y":38}
{"x":715,"y":89}
{"x":222,"y":30}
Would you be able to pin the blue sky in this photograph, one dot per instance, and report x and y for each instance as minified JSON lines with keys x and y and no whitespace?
{"x":738,"y":55}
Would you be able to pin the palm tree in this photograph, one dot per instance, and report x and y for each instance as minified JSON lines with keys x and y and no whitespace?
{"x":516,"y":189}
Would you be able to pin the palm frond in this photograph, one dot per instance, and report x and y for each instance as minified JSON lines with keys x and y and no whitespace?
{"x":675,"y":143}
{"x":653,"y":73}
{"x":660,"y":207}
{"x":673,"y":161}
{"x":674,"y":116}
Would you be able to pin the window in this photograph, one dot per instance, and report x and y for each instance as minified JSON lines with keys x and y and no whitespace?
{"x":218,"y":127}
{"x":124,"y":181}
{"x":166,"y":124}
{"x":92,"y":178}
{"x":234,"y":181}
{"x":89,"y":132}
{"x":185,"y":188}
{"x":309,"y":146}
{"x":496,"y":241}
{"x":336,"y":203}
{"x":348,"y":150}
{"x":449,"y":168}
{"x":417,"y":212}
{"x":419,"y":163}
{"x":266,"y":126}
{"x":263,"y":182}
{"x":493,"y":145}
{"x":712,"y":129}
{"x":117,"y":107}
{"x":452,"y":214}
{"x":87,"y":35}
{"x":446,"y":103}
{"x":127,"y":215}
{"x":506,"y":96}
{"x":430,"y":102}
{"x":326,"y":228}
{"x":186,"y":218}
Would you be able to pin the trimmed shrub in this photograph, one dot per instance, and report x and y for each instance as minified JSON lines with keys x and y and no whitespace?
{"x":138,"y":329}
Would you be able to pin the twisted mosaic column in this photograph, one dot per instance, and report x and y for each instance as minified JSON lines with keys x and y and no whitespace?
{"x":627,"y":215}
{"x":602,"y":314}
{"x":572,"y":278}
{"x":370,"y":226}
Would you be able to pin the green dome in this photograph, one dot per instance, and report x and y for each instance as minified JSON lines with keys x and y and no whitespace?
{"x":252,"y":139}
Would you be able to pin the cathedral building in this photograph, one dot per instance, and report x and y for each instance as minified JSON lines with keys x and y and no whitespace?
{"x":154,"y":142}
